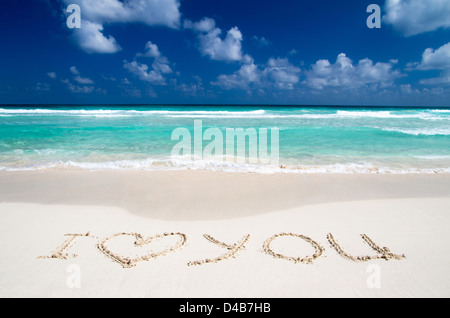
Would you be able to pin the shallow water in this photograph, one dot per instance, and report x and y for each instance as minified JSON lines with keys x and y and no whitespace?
{"x":311,"y":139}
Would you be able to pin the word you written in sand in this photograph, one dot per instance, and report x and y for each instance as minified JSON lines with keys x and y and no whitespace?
{"x":180,"y":240}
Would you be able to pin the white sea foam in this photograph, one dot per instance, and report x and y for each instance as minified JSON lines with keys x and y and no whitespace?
{"x":421,"y":131}
{"x":56,"y":111}
{"x":385,"y":115}
{"x":372,"y":114}
{"x":431,"y":157}
{"x":118,"y":112}
{"x":144,"y":164}
{"x":152,"y":164}
{"x":337,"y":115}
{"x":206,"y":112}
{"x":260,"y":113}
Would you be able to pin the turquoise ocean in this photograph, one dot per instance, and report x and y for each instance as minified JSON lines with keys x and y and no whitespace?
{"x":311,"y":139}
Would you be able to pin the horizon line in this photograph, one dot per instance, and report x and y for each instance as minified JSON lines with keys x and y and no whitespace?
{"x":220,"y":105}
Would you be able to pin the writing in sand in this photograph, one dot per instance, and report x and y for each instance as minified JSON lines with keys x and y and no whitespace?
{"x":231,"y":249}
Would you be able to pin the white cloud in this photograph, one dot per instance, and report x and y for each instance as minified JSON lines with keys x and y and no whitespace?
{"x":143,"y":73}
{"x":408,"y":90}
{"x":344,"y":74}
{"x":41,"y":87}
{"x":282,"y":73}
{"x":97,"y":13}
{"x":160,"y":65}
{"x":151,"y":50}
{"x":78,"y":89}
{"x":150,"y":12}
{"x":85,"y":84}
{"x":91,"y":39}
{"x":83,"y":80}
{"x":411,"y":17}
{"x":78,"y":78}
{"x":205,"y":25}
{"x":261,"y":41}
{"x":228,"y":49}
{"x":191,"y":89}
{"x":129,"y":89}
{"x":81,"y":89}
{"x":74,"y":70}
{"x":52,"y":75}
{"x":443,"y":79}
{"x":246,"y":75}
{"x":436,"y":59}
{"x":277,"y":73}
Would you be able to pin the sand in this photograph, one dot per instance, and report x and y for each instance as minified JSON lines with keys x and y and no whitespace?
{"x":210,"y":234}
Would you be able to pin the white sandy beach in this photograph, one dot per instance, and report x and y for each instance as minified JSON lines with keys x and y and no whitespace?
{"x":409,"y":214}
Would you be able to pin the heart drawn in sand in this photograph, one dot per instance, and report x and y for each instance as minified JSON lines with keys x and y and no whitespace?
{"x":128,"y":262}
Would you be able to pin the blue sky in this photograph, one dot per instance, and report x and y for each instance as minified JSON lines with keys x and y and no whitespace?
{"x":225,"y":52}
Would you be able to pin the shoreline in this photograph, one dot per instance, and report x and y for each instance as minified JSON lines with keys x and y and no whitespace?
{"x":190,"y":195}
{"x":221,"y":167}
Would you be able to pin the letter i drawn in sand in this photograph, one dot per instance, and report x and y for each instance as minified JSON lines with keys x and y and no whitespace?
{"x":61,"y":251}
